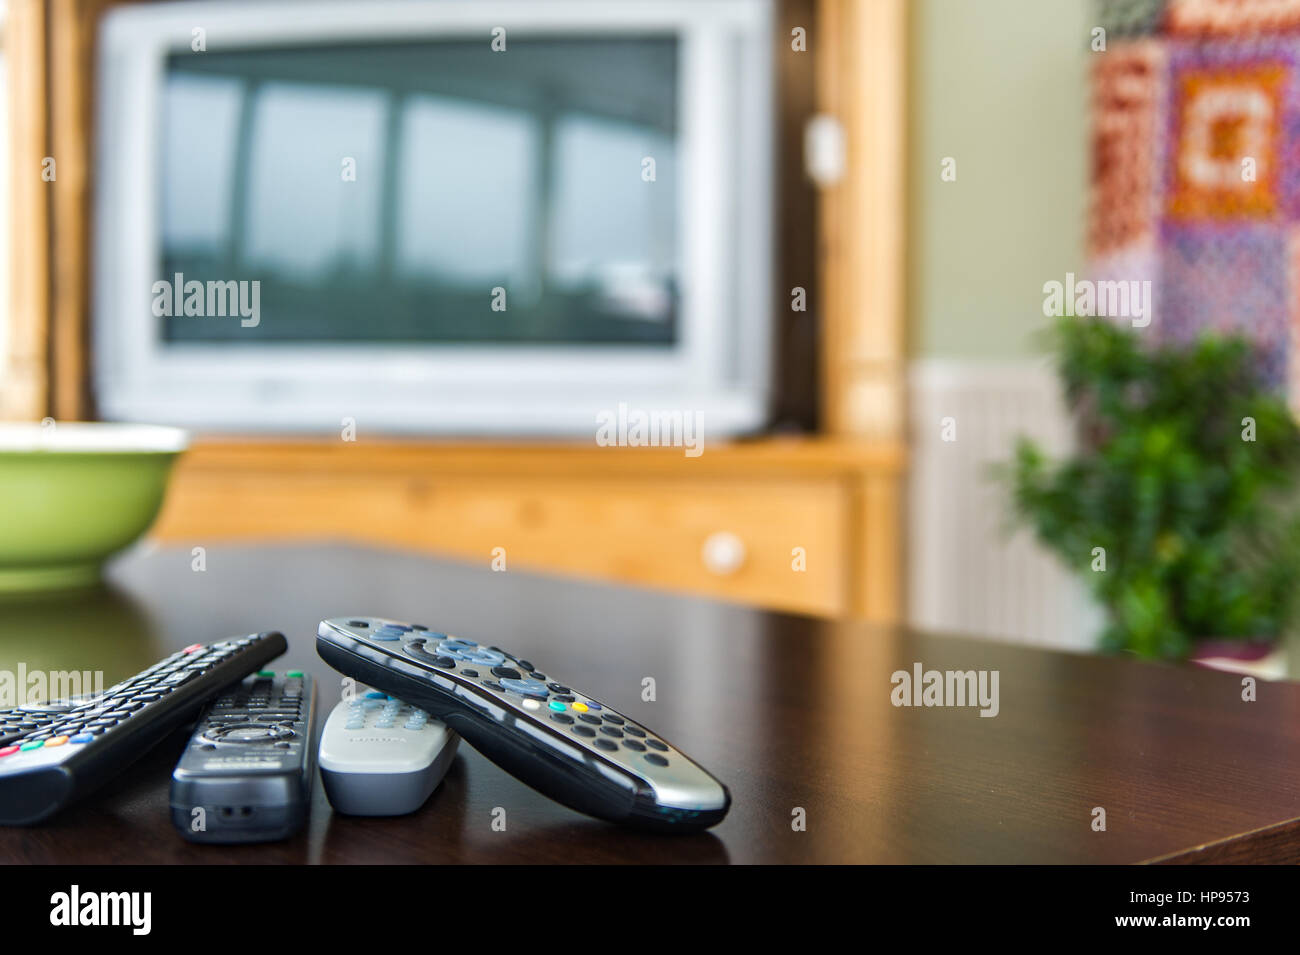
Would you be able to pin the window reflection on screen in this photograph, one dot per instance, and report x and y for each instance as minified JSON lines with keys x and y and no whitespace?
{"x":468,"y":174}
{"x":302,"y":219}
{"x":385,"y":193}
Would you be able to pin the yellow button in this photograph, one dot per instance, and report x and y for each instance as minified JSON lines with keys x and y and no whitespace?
{"x":580,"y":707}
{"x":56,"y":741}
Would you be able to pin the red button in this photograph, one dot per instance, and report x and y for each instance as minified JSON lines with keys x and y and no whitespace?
{"x":193,"y":648}
{"x":7,"y":750}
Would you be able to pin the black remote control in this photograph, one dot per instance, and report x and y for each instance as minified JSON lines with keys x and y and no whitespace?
{"x":562,"y":743}
{"x":246,"y":775}
{"x":54,"y":753}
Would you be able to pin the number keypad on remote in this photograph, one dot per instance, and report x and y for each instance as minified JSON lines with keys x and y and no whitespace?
{"x":380,"y":711}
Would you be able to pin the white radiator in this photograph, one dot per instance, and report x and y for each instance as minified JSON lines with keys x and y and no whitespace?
{"x":968,"y":572}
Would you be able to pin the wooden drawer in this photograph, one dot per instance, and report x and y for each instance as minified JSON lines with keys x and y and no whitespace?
{"x":723,"y":537}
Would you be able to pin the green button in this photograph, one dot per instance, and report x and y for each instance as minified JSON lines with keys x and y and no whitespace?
{"x":266,"y":674}
{"x":294,"y":674}
{"x":35,"y":744}
{"x":557,"y":706}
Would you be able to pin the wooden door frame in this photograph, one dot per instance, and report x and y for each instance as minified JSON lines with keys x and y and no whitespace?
{"x":50,"y":55}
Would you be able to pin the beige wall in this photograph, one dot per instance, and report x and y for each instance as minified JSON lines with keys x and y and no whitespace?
{"x":999,"y":85}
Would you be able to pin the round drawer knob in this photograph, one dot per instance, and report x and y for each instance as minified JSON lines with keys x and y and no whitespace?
{"x":723,"y":553}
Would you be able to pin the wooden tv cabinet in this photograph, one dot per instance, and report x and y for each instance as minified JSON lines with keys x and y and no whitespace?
{"x":808,"y":525}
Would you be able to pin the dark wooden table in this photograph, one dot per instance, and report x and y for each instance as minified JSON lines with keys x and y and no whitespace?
{"x":792,"y":713}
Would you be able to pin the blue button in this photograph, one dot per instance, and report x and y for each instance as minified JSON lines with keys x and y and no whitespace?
{"x":387,"y":637}
{"x":487,"y":658}
{"x":525,"y":686}
{"x":593,"y":706}
{"x":468,"y":643}
{"x":82,"y":738}
{"x":376,"y":695}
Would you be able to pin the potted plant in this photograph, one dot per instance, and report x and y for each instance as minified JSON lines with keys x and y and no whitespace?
{"x":1181,"y":505}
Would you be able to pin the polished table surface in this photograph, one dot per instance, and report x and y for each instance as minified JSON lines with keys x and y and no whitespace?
{"x":793,"y":713}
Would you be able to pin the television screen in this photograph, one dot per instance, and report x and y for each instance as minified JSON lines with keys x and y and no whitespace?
{"x":427,"y":192}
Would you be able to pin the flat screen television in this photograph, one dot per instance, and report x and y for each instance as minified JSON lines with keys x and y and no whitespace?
{"x":434,"y":216}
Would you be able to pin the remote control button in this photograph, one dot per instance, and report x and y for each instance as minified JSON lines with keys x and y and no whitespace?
{"x":588,"y":718}
{"x":537,"y":676}
{"x":584,"y":731}
{"x":466,"y":671}
{"x":608,"y":745}
{"x":507,"y":673}
{"x":81,"y":738}
{"x":294,"y":674}
{"x":556,"y":705}
{"x":266,"y":674}
{"x":634,"y":745}
{"x":193,"y":648}
{"x":446,"y":663}
{"x":655,"y":759}
{"x":562,"y":718}
{"x":56,"y":741}
{"x":461,"y":640}
{"x":376,"y":695}
{"x":633,"y":730}
{"x":613,"y":718}
{"x":383,"y":637}
{"x":525,"y":664}
{"x":655,"y":744}
{"x":611,"y":731}
{"x":558,"y":688}
{"x":532,"y":705}
{"x":565,"y":698}
{"x":580,"y":707}
{"x":360,"y":624}
{"x":525,"y":688}
{"x":33,"y":744}
{"x":8,"y":750}
{"x":418,"y":626}
{"x":491,"y":685}
{"x":485,"y":658}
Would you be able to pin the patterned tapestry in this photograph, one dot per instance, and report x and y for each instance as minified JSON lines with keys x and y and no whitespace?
{"x":1196,"y":167}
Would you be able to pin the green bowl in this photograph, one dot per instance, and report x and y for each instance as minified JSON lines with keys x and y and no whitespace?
{"x":71,"y":495}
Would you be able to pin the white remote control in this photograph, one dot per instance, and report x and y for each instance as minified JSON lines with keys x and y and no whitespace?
{"x":381,"y":757}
